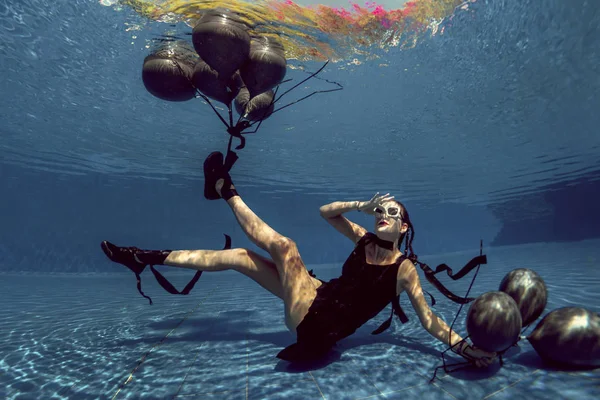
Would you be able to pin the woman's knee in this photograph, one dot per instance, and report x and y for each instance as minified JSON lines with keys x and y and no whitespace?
{"x":283,"y":246}
{"x":247,"y":259}
{"x":239,"y":257}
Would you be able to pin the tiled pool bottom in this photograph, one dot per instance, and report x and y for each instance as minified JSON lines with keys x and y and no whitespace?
{"x":89,"y":337}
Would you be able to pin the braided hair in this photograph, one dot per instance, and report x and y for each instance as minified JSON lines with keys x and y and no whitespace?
{"x":407,"y":236}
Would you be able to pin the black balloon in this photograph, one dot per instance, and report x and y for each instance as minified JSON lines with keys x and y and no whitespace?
{"x":207,"y":80}
{"x":568,"y":336}
{"x":494,"y":321}
{"x":256,"y":108}
{"x":222,"y":41}
{"x":167,"y":71}
{"x":528,"y":290}
{"x":266,"y":65}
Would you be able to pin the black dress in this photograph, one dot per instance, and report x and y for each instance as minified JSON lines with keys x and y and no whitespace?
{"x":344,"y":304}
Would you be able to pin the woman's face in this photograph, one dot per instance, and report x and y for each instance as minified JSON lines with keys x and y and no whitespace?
{"x":388,"y":221}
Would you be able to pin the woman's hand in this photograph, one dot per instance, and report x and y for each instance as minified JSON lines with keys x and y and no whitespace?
{"x":480,"y":358}
{"x":368,"y":207}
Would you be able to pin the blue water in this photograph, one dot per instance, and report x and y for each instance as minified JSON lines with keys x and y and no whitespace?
{"x":489,"y":131}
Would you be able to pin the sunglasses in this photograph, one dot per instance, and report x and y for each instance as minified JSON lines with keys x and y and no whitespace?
{"x":392,"y":212}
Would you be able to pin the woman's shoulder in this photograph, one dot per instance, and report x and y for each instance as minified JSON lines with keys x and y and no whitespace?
{"x":406,"y":269}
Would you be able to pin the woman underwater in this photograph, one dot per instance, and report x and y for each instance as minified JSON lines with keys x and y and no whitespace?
{"x":319,"y":313}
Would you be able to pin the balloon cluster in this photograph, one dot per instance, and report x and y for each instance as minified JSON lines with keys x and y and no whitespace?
{"x":568,"y":336}
{"x":226,"y":64}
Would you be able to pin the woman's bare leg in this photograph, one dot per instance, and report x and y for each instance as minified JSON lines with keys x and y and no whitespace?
{"x":299,"y":288}
{"x":258,"y":268}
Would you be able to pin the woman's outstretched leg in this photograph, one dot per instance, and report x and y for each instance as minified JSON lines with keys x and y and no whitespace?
{"x":299,"y":288}
{"x":258,"y":268}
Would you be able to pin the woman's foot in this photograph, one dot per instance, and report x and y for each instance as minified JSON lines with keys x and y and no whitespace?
{"x":133,"y":258}
{"x":217,"y":181}
{"x":220,"y":187}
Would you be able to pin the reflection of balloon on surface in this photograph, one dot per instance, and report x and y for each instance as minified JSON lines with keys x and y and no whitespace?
{"x":494,"y":321}
{"x":167,"y":71}
{"x":208,"y":82}
{"x":266,"y":65}
{"x":256,"y":108}
{"x":528,"y":290}
{"x":568,"y":336}
{"x":323,"y":32}
{"x":222,"y":41}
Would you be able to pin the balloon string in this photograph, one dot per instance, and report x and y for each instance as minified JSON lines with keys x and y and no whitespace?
{"x":304,"y":80}
{"x":306,"y":97}
{"x":462,"y":365}
{"x":468,"y":291}
{"x":312,"y":75}
{"x":241,"y":125}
